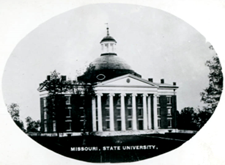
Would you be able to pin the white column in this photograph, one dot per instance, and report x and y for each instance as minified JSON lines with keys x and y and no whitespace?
{"x":93,"y":114}
{"x":144,"y":111}
{"x":99,"y":111}
{"x":149,"y":113}
{"x":111,"y":112}
{"x":155,"y":112}
{"x":123,"y":120}
{"x":134,"y":113}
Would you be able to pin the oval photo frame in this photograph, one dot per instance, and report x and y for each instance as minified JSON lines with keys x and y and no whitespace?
{"x":111,"y":120}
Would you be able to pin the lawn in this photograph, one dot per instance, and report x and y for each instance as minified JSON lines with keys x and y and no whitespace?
{"x":113,"y":149}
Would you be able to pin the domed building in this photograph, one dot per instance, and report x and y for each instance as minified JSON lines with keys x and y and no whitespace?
{"x":123,"y":103}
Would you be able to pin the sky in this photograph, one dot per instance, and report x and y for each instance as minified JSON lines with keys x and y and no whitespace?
{"x":154,"y":43}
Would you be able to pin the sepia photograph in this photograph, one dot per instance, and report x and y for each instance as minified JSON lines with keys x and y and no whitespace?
{"x":112,"y":83}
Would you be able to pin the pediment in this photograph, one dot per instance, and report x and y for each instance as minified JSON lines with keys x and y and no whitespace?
{"x":128,"y":80}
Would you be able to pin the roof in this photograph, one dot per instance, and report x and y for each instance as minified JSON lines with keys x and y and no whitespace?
{"x":131,"y":76}
{"x":165,"y":85}
{"x":110,"y":62}
{"x":108,"y":38}
{"x":146,"y":82}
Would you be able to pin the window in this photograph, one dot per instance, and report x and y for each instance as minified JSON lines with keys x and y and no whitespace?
{"x":107,"y":111}
{"x":82,"y":116}
{"x":168,"y":100}
{"x":81,"y":125}
{"x":68,"y":100}
{"x":45,"y":127}
{"x":83,"y":99}
{"x":140,"y":124}
{"x":119,"y":125}
{"x":118,"y":102}
{"x":81,"y":109}
{"x":44,"y":102}
{"x":139,"y":101}
{"x":169,"y":123}
{"x":107,"y":101}
{"x":45,"y":114}
{"x":169,"y":111}
{"x":158,"y":111}
{"x":129,"y":124}
{"x":68,"y":125}
{"x":129,"y":102}
{"x":129,"y":111}
{"x":107,"y":125}
{"x":118,"y":112}
{"x":54,"y":126}
{"x":140,"y":111}
{"x":157,"y":100}
{"x":68,"y":112}
{"x":159,"y":123}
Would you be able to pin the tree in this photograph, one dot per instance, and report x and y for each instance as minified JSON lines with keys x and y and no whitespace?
{"x":187,"y":119}
{"x":211,"y":95}
{"x":56,"y":86}
{"x":14,"y":111}
{"x":202,"y":118}
{"x":32,"y":126}
{"x":89,"y":76}
{"x":88,"y":92}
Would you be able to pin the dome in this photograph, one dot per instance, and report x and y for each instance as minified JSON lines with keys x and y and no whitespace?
{"x":108,"y":38}
{"x":108,"y":65}
{"x":110,"y":62}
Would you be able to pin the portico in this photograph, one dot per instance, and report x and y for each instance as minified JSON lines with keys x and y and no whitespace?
{"x":147,"y":110}
{"x":130,"y":106}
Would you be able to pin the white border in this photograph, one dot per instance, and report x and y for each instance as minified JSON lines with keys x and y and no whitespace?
{"x":18,"y":18}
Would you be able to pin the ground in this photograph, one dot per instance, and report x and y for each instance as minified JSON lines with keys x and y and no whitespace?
{"x":113,"y":149}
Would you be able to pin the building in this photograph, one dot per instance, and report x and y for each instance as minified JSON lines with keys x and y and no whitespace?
{"x":124,"y":103}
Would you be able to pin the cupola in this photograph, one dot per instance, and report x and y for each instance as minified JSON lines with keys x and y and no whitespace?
{"x":108,"y":44}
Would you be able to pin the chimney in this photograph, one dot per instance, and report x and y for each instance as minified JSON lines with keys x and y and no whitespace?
{"x":162,"y":81}
{"x":63,"y":78}
{"x":150,"y":79}
{"x":48,"y":77}
{"x":174,"y":83}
